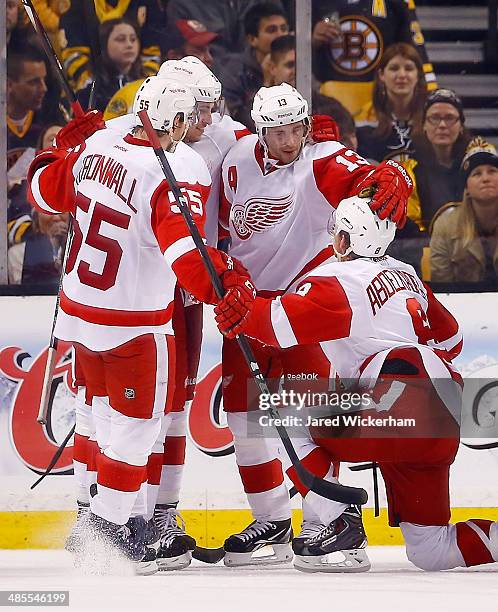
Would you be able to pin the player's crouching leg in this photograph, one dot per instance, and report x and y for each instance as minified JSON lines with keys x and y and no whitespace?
{"x":434,"y":548}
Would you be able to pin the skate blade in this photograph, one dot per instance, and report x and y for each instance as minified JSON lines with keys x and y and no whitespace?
{"x":344,"y":561}
{"x":166,"y":564}
{"x":271,"y":554}
{"x":145,"y":568}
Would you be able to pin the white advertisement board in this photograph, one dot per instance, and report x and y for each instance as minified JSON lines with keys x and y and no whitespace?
{"x":211,"y":477}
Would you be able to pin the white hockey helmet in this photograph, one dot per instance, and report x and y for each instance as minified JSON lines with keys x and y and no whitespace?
{"x":163,"y":99}
{"x":369,"y":236}
{"x":195,"y":74}
{"x":278,"y":105}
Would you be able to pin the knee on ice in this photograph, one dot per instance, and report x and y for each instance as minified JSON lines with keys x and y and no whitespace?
{"x":431,"y":548}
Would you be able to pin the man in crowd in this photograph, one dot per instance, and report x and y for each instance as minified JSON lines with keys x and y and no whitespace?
{"x":281,"y":67}
{"x":243,"y":74}
{"x":224,"y":18}
{"x":26,"y":90}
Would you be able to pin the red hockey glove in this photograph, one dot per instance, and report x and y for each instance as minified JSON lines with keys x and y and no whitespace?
{"x":324,"y":128}
{"x":79,"y":129}
{"x":232,"y":311}
{"x":393,"y":187}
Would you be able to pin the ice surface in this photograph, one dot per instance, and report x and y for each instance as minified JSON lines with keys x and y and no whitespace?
{"x":393,"y":584}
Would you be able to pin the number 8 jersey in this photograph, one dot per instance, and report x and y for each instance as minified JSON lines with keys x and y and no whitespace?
{"x":128,"y":235}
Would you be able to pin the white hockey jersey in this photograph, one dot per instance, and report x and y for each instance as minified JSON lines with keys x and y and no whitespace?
{"x":217,"y":140}
{"x":128,"y":233}
{"x":277,"y":220}
{"x":357,"y":310}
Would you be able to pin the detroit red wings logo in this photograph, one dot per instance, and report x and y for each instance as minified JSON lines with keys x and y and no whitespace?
{"x":259,"y":215}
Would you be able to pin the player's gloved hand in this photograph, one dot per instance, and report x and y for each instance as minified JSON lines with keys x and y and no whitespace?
{"x":237,"y":303}
{"x":393,"y":187}
{"x":232,"y":311}
{"x":79,"y":129}
{"x":324,"y":128}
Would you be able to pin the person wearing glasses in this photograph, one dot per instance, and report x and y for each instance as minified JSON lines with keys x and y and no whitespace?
{"x":438,"y":152}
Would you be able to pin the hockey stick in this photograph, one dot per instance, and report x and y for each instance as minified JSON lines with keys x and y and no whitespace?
{"x":52,"y":56}
{"x":55,"y":458}
{"x":78,"y":111}
{"x":52,"y":348}
{"x":329,"y":490}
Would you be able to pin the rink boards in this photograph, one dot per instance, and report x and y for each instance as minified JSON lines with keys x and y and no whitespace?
{"x":213,"y":502}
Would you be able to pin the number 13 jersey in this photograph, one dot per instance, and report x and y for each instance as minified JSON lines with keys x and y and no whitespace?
{"x":277,"y":219}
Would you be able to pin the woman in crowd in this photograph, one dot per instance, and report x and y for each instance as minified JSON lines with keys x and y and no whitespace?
{"x":464,"y":245}
{"x":387,"y":122}
{"x":438,"y":152}
{"x":118,"y":65}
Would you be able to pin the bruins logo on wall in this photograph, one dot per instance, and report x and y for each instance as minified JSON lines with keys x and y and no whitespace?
{"x":359,"y":48}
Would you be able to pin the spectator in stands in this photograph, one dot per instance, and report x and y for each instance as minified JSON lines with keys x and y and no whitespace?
{"x":189,"y":37}
{"x":26,"y":91}
{"x":182,"y":39}
{"x":224,"y":18}
{"x":464,"y":241}
{"x":38,"y":258}
{"x":81,"y":52}
{"x":242,"y":74}
{"x":119,"y":64}
{"x":348,"y":41}
{"x":281,"y":66}
{"x":396,"y":108}
{"x":438,"y":153}
{"x":35,"y":241}
{"x":19,"y":211}
{"x":323,"y":105}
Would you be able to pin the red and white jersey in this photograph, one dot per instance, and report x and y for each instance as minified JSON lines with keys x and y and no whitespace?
{"x":277,"y":221}
{"x":358,"y":310}
{"x":217,"y":139}
{"x":128,"y":233}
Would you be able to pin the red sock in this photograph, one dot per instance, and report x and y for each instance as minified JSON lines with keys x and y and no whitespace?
{"x":473,"y":541}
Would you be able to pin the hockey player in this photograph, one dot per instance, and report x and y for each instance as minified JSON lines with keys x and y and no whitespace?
{"x":277,"y":190}
{"x":130,"y":246}
{"x":211,"y":136}
{"x":385,"y":330}
{"x":165,"y":468}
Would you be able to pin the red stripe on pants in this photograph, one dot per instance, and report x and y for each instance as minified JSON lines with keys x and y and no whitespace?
{"x":154,"y":465}
{"x":120,"y":476}
{"x":174,"y":450}
{"x":262,"y":477}
{"x":80,"y":448}
{"x":317,"y":462}
{"x":93,"y":451}
{"x":473,"y":549}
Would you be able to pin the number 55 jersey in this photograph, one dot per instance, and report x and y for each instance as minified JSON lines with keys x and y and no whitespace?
{"x":129,"y":238}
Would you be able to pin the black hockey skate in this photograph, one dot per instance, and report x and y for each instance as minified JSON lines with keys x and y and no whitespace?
{"x":129,"y":540}
{"x":338,"y":547}
{"x":309,"y":529}
{"x":175,"y":546}
{"x":76,"y":539}
{"x":250,"y":545}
